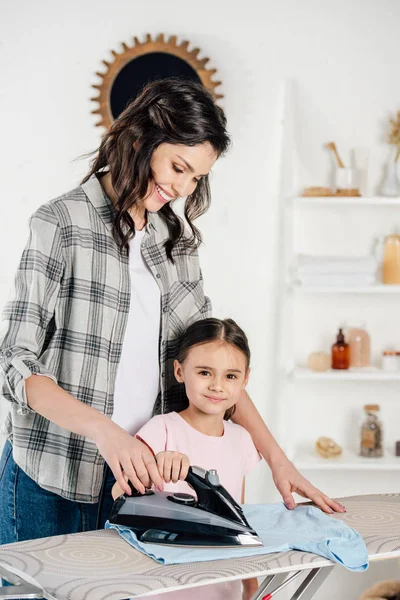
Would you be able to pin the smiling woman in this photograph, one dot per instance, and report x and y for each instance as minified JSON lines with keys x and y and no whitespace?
{"x":164,"y":138}
{"x":175,"y":173}
{"x":109,"y":279}
{"x":107,"y":283}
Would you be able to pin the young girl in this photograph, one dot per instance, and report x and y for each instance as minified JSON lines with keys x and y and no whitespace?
{"x":213,"y":366}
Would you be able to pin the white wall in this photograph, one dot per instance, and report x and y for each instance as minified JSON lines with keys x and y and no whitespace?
{"x":344,"y":58}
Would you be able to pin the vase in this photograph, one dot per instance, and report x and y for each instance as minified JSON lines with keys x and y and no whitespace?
{"x":391,"y":183}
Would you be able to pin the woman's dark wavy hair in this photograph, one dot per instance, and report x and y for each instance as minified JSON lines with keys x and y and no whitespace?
{"x":172,"y":111}
{"x":211,"y":330}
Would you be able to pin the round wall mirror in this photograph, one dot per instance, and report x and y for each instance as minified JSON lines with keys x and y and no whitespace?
{"x":147,"y":61}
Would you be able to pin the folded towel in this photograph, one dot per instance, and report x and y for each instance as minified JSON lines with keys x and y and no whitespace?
{"x":305,"y":528}
{"x":345,"y":279}
{"x":310,"y":265}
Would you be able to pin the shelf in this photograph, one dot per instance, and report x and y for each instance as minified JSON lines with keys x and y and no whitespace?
{"x":349,"y":461}
{"x":376,"y":288}
{"x":369,"y":374}
{"x":356,"y":201}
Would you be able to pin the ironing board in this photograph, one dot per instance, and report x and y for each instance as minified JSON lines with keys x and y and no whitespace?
{"x":99,"y":564}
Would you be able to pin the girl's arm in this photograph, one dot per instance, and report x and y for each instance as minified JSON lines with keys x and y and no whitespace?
{"x":249,"y":585}
{"x":286,"y":477}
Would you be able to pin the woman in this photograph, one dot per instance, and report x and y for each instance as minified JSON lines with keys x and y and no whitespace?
{"x":107,"y":283}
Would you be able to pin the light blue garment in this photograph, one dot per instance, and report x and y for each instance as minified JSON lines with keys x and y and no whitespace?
{"x":305,"y":528}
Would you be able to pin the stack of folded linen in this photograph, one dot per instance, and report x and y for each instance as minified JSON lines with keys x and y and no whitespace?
{"x":335,"y":270}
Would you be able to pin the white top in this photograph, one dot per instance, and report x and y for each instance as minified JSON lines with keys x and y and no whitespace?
{"x":137,"y":381}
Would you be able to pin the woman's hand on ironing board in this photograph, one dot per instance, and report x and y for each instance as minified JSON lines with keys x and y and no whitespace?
{"x":286,"y":477}
{"x":288,"y":480}
{"x":172,"y":466}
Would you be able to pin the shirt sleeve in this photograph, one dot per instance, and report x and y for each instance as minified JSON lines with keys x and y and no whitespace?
{"x":155,"y":434}
{"x":27,"y":314}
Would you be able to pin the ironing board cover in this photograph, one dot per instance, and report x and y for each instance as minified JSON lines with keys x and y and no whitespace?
{"x":100,"y":564}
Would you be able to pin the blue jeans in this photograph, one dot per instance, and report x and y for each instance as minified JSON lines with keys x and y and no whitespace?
{"x":28,"y":512}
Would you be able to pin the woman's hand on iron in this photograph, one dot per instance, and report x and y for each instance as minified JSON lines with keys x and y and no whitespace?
{"x":172,"y":466}
{"x":288,"y":480}
{"x":126,"y":455}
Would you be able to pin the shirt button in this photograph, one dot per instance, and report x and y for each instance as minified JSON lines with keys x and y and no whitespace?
{"x":158,"y":275}
{"x":165,"y":309}
{"x":8,"y":353}
{"x":162,"y":374}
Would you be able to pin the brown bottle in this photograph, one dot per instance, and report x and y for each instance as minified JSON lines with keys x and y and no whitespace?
{"x":340,"y":353}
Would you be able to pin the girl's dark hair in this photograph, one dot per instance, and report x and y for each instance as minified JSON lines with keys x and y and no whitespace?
{"x":172,"y":111}
{"x":211,"y":330}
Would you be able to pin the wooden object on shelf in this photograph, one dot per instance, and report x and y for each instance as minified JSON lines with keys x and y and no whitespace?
{"x":348,"y":192}
{"x":141,"y":63}
{"x":318,"y":192}
{"x":332,"y":146}
{"x":327,"y":448}
{"x":319,"y":362}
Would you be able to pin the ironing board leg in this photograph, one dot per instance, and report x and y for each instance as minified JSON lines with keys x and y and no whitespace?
{"x":311,"y":583}
{"x":305,"y":591}
{"x":276,"y":579}
{"x":15,"y":592}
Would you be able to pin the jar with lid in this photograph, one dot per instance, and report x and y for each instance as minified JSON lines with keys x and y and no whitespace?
{"x":359,"y":341}
{"x":390,"y":361}
{"x":371,"y":433}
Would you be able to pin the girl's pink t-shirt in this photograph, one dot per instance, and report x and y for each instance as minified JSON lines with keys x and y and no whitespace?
{"x":233,"y":455}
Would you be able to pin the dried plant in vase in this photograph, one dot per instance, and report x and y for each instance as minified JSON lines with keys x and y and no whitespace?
{"x":391,"y":184}
{"x":394,"y":135}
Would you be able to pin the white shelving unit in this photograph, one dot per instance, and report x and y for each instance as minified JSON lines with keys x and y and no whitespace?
{"x":295,"y":374}
{"x":290,"y":376}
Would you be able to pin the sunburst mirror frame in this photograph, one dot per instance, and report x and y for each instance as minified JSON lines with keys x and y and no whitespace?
{"x":130,"y":53}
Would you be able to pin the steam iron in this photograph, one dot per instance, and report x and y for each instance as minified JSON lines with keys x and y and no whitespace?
{"x":212,"y":519}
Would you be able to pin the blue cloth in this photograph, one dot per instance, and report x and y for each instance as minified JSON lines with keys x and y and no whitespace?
{"x":305,"y":528}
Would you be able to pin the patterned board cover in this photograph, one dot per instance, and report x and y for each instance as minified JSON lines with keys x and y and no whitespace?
{"x":99,"y":564}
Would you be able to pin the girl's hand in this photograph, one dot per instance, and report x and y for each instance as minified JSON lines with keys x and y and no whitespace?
{"x":116,"y":491}
{"x":172,"y":466}
{"x":250,"y":586}
{"x":126,"y":455}
{"x":288,"y":480}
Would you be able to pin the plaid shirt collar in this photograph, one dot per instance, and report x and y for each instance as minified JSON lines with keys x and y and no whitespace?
{"x":105,"y":208}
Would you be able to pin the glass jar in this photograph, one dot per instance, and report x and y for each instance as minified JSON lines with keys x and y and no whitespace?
{"x":391,"y":260}
{"x":390,"y":361}
{"x":360,"y":345}
{"x":371,"y":433}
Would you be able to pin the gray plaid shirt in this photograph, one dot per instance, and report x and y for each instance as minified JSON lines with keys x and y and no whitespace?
{"x":67,"y":319}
